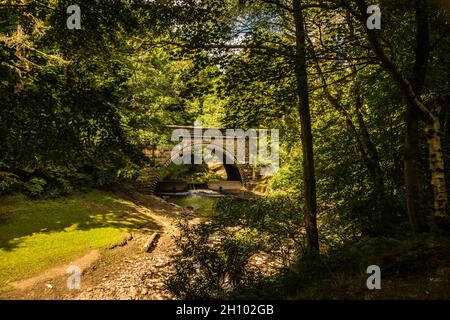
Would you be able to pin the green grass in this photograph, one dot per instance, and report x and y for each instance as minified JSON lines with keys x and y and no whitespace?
{"x":36,"y":235}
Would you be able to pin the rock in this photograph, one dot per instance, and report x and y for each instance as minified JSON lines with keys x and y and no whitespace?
{"x":48,"y":285}
{"x":133,"y":292}
{"x":151,"y":243}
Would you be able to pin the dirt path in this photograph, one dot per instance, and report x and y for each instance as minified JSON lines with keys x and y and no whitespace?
{"x":83,"y":263}
{"x":125,"y":272}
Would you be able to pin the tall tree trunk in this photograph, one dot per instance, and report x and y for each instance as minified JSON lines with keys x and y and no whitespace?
{"x":411,"y":89}
{"x":374,"y":159}
{"x":363,"y":140}
{"x":372,"y":152}
{"x":447,"y":143}
{"x":359,"y":145}
{"x":413,"y":115}
{"x":362,"y":137}
{"x":437,"y":169}
{"x":20,"y":48}
{"x":306,"y":135}
{"x":412,"y":172}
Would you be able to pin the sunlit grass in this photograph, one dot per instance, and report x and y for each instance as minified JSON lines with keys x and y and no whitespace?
{"x":35,"y":235}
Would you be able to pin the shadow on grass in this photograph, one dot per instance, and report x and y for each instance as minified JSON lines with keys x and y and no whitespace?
{"x":21,"y":217}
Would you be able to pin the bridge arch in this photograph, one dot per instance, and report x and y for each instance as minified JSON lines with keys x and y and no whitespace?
{"x":235,"y":171}
{"x":247,"y":174}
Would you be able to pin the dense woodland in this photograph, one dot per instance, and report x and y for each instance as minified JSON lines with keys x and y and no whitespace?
{"x":363,"y":115}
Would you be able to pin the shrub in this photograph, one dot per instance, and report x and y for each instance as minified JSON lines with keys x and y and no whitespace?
{"x":8,"y":181}
{"x":35,"y":187}
{"x":215,"y":255}
{"x":277,"y":217}
{"x":214,"y":262}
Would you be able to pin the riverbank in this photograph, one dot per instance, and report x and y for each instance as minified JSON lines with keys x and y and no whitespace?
{"x":105,"y":234}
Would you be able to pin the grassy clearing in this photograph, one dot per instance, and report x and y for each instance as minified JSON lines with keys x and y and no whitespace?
{"x":35,"y":235}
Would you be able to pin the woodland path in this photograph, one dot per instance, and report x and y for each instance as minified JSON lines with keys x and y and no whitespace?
{"x":125,"y":272}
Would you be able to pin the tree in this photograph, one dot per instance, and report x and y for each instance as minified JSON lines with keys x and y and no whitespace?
{"x":305,"y":119}
{"x":417,"y":110}
{"x":214,"y":27}
{"x":61,"y":93}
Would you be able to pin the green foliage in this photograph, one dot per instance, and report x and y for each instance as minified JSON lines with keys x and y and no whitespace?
{"x":35,"y":186}
{"x":201,"y":205}
{"x":214,"y":262}
{"x":8,"y":180}
{"x":278,"y":218}
{"x":79,"y":106}
{"x":340,"y":273}
{"x":215,"y":255}
{"x":65,"y":116}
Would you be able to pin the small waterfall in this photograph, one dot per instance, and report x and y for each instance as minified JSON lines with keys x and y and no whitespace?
{"x":197,"y":186}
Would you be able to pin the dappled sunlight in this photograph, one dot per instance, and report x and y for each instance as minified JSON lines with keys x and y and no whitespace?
{"x":88,"y":212}
{"x":38,"y":234}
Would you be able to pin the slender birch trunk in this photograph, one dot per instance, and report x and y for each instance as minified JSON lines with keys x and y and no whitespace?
{"x":437,"y":169}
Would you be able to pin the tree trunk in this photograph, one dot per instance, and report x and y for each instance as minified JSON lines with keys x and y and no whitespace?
{"x":374,"y":165}
{"x":415,"y":108}
{"x":374,"y":159}
{"x":350,"y":126}
{"x":446,"y":151}
{"x":306,"y":135}
{"x":412,"y":172}
{"x":437,"y":169}
{"x":20,"y":49}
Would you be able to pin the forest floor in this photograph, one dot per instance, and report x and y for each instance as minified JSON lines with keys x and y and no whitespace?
{"x":123,"y":272}
{"x":123,"y":269}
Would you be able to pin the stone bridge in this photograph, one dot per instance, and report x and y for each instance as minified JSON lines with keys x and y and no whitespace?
{"x":248,"y":175}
